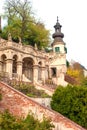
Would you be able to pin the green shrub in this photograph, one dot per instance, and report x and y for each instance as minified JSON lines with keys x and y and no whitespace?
{"x":71,"y":101}
{"x":31,"y":91}
{"x":84,"y":82}
{"x":10,"y":122}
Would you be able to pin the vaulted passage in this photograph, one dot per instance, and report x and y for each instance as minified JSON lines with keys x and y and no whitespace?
{"x":27,"y":69}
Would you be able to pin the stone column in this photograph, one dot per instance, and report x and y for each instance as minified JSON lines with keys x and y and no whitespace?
{"x":43,"y":74}
{"x":35,"y":74}
{"x":50,"y":73}
{"x":0,"y":65}
{"x":9,"y":63}
{"x":19,"y":70}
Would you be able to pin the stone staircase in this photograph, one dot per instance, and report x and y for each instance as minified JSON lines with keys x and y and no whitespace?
{"x":20,"y":105}
{"x":48,"y":87}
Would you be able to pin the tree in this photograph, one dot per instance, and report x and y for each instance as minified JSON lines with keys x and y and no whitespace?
{"x":67,"y":63}
{"x":71,"y":101}
{"x":37,"y":34}
{"x":18,"y":14}
{"x":76,"y":71}
{"x":84,"y":82}
{"x":22,"y":23}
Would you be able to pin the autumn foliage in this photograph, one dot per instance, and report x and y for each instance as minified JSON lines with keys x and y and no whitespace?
{"x":75,"y":71}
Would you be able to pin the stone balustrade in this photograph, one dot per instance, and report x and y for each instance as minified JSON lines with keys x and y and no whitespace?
{"x":21,"y":48}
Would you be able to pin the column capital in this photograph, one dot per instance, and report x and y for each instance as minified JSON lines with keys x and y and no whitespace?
{"x":43,"y":67}
{"x":19,"y":62}
{"x":9,"y":60}
{"x":35,"y":66}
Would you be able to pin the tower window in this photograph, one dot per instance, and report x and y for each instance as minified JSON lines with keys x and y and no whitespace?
{"x":65,"y":49}
{"x":57,"y":49}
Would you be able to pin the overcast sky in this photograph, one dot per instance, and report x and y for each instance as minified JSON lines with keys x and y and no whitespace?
{"x":73,"y":18}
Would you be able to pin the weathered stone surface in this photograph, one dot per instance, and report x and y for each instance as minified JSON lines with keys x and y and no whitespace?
{"x":20,"y":105}
{"x":27,"y":63}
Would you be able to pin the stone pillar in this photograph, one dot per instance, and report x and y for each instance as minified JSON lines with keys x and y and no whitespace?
{"x":9,"y":63}
{"x":19,"y":70}
{"x":0,"y":65}
{"x":35,"y":74}
{"x":50,"y":73}
{"x":43,"y":74}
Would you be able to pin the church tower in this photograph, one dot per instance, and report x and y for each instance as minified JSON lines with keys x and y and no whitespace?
{"x":57,"y":64}
{"x":58,"y":43}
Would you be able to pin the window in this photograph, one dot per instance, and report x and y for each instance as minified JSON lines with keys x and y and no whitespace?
{"x":53,"y":72}
{"x":65,"y":49}
{"x":57,"y":49}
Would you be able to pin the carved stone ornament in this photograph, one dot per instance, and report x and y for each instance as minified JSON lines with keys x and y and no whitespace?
{"x":36,"y":46}
{"x":9,"y":37}
{"x":20,"y":41}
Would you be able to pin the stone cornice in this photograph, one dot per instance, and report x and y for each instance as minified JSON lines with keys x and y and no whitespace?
{"x":22,"y":51}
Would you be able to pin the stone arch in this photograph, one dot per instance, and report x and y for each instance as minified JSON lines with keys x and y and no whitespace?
{"x":27,"y":68}
{"x":35,"y":60}
{"x":14,"y":67}
{"x":3,"y":61}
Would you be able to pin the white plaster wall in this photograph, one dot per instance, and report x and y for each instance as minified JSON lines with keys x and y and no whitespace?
{"x":58,"y":61}
{"x":61,"y":47}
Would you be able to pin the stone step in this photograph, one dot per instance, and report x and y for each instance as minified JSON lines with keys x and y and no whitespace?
{"x":20,"y":105}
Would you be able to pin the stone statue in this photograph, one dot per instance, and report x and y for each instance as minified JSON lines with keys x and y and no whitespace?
{"x":36,"y":46}
{"x":20,"y":41}
{"x":42,"y":48}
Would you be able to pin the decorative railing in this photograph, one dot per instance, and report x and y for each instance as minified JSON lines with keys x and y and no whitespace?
{"x":23,"y":48}
{"x":4,"y":76}
{"x":12,"y":81}
{"x":54,"y":56}
{"x":49,"y":83}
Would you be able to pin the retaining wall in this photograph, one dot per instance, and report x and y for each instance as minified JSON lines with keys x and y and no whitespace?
{"x":20,"y":105}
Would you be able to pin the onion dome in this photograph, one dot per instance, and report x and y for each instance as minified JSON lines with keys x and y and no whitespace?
{"x":58,"y":35}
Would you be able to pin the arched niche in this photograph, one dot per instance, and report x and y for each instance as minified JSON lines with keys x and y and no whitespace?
{"x":27,"y":68}
{"x":3,"y":60}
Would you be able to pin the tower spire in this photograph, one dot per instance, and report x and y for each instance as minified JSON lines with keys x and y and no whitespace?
{"x":57,"y":19}
{"x":58,"y":35}
{"x":58,"y":44}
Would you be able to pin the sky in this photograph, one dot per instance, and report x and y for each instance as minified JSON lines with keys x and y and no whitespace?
{"x":73,"y":18}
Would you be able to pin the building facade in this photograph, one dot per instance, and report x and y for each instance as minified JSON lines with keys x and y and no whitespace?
{"x":27,"y":63}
